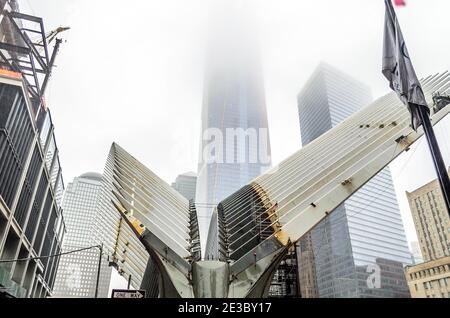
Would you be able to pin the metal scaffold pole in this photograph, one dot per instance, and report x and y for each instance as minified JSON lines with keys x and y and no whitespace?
{"x":99,"y":269}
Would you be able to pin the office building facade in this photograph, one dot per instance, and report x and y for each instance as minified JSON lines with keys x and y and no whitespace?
{"x":430,"y":279}
{"x":431,"y":220}
{"x":76,"y":276}
{"x":31,"y":188}
{"x":185,"y":184}
{"x":307,"y":277}
{"x":363,"y":241}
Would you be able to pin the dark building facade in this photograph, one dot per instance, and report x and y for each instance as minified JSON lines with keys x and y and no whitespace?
{"x":31,"y":183}
{"x":31,"y":186}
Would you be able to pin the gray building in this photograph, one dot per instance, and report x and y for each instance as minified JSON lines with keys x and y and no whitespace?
{"x":185,"y":184}
{"x":234,"y":116}
{"x":363,"y":241}
{"x":77,"y":273}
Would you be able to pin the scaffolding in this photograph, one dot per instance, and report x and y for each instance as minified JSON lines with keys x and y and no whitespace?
{"x":19,"y":53}
{"x":285,"y":282}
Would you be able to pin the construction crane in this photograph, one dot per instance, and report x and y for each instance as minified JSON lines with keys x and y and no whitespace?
{"x":50,"y":36}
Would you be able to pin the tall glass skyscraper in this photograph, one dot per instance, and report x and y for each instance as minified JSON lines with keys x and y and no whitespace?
{"x":77,"y":273}
{"x":235,"y":145}
{"x":360,"y":249}
{"x":186,"y":184}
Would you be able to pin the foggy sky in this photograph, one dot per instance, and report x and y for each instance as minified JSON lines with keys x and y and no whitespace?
{"x":132,"y":71}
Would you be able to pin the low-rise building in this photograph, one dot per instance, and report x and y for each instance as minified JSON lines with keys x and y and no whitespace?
{"x":432,"y":222}
{"x":430,"y":279}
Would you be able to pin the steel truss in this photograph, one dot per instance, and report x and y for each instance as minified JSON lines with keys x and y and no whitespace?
{"x":25,"y":50}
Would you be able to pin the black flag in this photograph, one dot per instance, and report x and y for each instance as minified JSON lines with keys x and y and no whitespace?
{"x":398,"y":69}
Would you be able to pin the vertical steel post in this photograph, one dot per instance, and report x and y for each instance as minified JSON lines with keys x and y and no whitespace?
{"x":99,"y":269}
{"x":50,"y":66}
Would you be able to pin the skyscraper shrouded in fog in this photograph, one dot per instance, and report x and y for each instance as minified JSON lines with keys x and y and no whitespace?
{"x":235,"y":145}
{"x":360,"y":249}
{"x":77,"y":273}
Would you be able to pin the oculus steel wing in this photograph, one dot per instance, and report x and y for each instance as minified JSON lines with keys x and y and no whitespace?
{"x":253,"y":228}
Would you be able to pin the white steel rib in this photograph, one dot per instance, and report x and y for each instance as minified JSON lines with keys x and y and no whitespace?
{"x":310,"y":184}
{"x":132,"y":188}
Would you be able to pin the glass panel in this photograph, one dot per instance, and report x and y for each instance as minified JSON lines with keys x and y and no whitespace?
{"x":59,"y":189}
{"x":54,"y":172}
{"x":45,"y":130}
{"x":50,"y":153}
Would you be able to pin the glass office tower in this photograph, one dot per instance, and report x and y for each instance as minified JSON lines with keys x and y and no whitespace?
{"x":77,"y":272}
{"x":235,"y":145}
{"x":186,"y":184}
{"x":360,"y":249}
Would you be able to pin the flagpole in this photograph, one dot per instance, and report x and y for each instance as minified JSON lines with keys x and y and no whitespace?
{"x":438,"y":161}
{"x":398,"y":70}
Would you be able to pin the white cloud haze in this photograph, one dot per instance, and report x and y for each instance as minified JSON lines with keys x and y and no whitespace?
{"x":132,"y":71}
